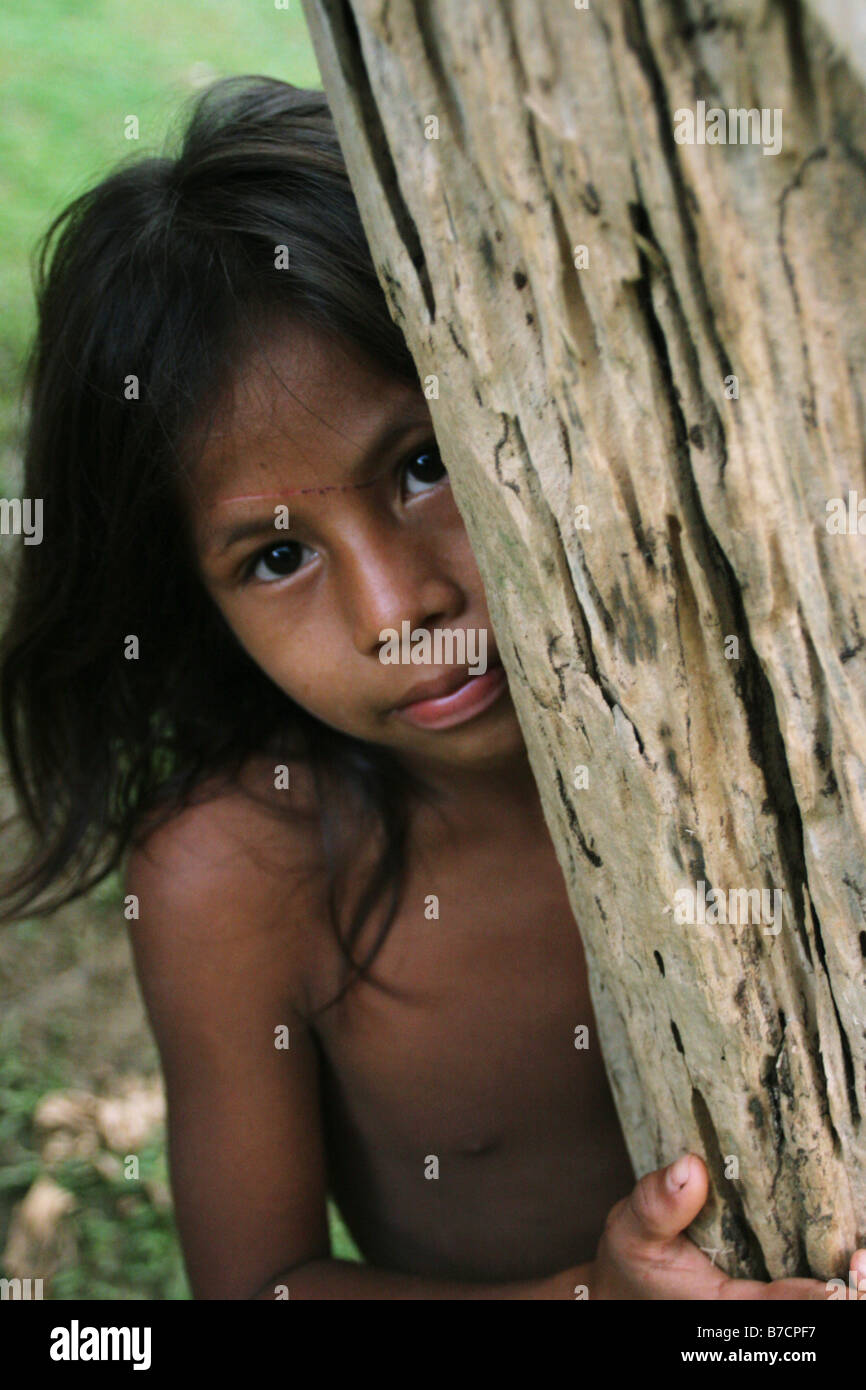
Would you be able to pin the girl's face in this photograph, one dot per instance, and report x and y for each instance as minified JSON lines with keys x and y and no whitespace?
{"x":374,"y":540}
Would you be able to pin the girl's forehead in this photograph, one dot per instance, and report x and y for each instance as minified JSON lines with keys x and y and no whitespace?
{"x":298,"y":415}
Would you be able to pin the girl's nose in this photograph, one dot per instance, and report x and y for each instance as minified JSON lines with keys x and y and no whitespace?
{"x":391,"y":574}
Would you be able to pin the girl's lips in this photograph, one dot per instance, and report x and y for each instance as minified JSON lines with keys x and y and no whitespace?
{"x":470,"y":699}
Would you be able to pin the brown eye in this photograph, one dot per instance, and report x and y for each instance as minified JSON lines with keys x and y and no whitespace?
{"x":425,"y":468}
{"x":276,"y":561}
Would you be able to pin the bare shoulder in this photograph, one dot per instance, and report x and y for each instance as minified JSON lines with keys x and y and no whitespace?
{"x":239,"y":870}
{"x":237,"y":823}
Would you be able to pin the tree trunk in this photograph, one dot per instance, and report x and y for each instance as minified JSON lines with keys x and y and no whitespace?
{"x":649,"y":358}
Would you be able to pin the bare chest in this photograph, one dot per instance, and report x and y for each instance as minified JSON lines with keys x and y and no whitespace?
{"x":464,"y":1066}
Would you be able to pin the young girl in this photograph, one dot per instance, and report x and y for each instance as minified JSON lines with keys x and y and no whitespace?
{"x":354,"y":940}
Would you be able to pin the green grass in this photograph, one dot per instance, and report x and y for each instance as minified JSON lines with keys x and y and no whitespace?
{"x":71,"y":70}
{"x":126,"y":1243}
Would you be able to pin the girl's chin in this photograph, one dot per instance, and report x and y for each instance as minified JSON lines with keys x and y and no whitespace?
{"x":494,"y":738}
{"x":494,"y":731}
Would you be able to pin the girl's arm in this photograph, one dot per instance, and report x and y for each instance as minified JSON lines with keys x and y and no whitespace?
{"x":220,"y":950}
{"x":332,"y":1279}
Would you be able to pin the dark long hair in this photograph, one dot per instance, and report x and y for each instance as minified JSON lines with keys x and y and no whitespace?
{"x":155,"y":274}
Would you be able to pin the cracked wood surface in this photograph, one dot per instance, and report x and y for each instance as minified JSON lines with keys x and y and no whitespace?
{"x":605,"y":387}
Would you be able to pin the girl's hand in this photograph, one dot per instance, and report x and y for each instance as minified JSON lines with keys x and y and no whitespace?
{"x":643,"y":1252}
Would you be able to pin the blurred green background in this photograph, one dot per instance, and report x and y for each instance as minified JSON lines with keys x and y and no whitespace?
{"x":70,"y":1017}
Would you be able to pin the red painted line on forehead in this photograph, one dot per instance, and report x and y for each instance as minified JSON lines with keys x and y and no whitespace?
{"x":292,"y":492}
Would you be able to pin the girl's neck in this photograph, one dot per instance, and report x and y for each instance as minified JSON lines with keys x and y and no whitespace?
{"x":508,"y":785}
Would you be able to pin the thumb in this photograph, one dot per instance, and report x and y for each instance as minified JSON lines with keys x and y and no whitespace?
{"x":665,"y":1202}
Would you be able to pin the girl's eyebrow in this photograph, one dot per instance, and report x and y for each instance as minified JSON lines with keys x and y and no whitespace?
{"x":291,"y":492}
{"x":224,"y":537}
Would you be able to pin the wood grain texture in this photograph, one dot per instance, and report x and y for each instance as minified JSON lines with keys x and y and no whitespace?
{"x":605,"y":387}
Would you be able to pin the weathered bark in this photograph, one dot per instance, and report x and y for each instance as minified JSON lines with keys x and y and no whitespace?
{"x":605,"y":387}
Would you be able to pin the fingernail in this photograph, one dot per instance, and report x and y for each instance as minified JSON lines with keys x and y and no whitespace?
{"x":858,"y":1264}
{"x":678,"y":1173}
